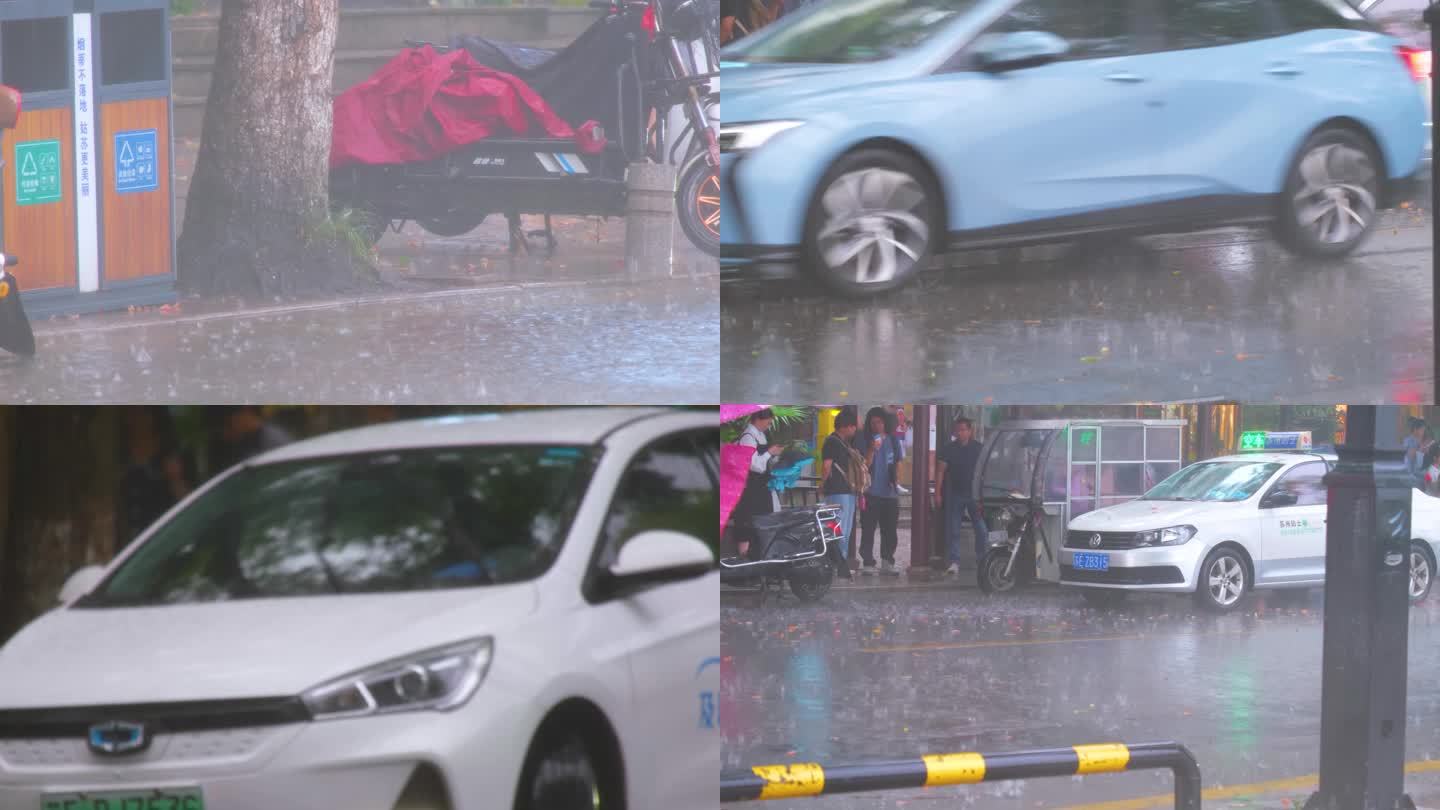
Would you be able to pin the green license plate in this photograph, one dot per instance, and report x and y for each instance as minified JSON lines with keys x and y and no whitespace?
{"x":154,"y":799}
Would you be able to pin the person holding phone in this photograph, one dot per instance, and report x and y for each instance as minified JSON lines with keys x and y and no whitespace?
{"x":880,"y":507}
{"x":757,"y":498}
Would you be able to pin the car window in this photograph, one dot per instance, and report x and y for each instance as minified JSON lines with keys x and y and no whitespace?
{"x":1307,"y":481}
{"x":842,"y":31}
{"x":381,"y":522}
{"x":1094,"y":29}
{"x":1314,"y":15}
{"x":667,"y":486}
{"x":1209,"y":23}
{"x":1214,"y":481}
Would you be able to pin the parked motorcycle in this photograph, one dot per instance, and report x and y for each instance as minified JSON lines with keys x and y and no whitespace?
{"x":1010,"y":562}
{"x":799,"y":546}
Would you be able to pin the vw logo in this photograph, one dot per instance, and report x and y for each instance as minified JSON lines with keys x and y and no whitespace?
{"x":118,"y":737}
{"x":1094,"y":541}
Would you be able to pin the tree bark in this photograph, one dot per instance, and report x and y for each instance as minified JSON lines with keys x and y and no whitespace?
{"x":261,"y":180}
{"x":63,"y":474}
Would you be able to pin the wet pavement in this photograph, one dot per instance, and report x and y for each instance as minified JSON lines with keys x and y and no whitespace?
{"x":863,"y":676}
{"x":1158,"y":319}
{"x":463,"y":328}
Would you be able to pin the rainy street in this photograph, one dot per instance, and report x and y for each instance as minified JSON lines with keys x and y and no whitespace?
{"x":869,"y":674}
{"x":573,"y":330}
{"x":1170,"y":318}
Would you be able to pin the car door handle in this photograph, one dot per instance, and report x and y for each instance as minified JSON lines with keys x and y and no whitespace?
{"x":1283,"y":69}
{"x":1126,"y":77}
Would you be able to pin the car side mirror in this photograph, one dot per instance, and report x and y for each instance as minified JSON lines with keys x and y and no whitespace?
{"x":1281,"y":497}
{"x":996,"y":53}
{"x":80,"y":583}
{"x":658,"y":556}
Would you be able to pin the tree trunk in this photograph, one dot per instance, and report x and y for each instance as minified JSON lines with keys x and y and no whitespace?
{"x":261,"y":181}
{"x":63,"y":476}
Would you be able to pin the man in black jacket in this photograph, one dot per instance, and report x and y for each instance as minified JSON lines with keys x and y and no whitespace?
{"x":955,"y":491}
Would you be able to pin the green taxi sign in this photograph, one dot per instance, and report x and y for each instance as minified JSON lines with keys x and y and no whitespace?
{"x":1252,"y":440}
{"x":1274,"y":440}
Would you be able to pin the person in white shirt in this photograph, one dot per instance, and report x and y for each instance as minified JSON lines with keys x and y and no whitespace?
{"x":757,"y":498}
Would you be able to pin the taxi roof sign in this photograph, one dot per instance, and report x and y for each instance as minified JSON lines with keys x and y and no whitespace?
{"x":1259,"y":441}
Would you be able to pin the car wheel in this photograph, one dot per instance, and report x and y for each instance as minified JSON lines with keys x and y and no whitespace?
{"x":874,"y":223}
{"x":1422,"y":574}
{"x":1224,"y":580}
{"x":1103,"y":598}
{"x":1331,"y":198}
{"x":561,"y":775}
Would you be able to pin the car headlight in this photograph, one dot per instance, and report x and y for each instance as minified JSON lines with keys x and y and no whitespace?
{"x":438,"y":679}
{"x":1171,"y":536}
{"x":742,"y":137}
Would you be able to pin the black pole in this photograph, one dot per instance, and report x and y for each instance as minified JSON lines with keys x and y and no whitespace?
{"x":1367,"y":613}
{"x":1432,"y":19}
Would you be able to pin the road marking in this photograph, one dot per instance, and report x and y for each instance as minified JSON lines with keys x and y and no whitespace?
{"x":1307,"y":782}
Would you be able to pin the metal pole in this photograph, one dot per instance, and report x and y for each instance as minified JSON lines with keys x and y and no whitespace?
{"x":1367,"y":613}
{"x":920,"y":494}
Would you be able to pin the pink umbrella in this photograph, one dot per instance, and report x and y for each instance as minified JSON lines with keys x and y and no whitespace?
{"x":729,"y":413}
{"x":734,"y":463}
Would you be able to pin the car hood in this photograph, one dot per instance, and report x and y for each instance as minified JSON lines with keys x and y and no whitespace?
{"x":767,"y":91}
{"x":239,"y":649}
{"x":1135,"y":516}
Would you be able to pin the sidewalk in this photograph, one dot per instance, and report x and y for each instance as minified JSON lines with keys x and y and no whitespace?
{"x":908,"y":580}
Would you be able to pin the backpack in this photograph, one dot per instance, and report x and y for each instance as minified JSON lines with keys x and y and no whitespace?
{"x":855,"y":472}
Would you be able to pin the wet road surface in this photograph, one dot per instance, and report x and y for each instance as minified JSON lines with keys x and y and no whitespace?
{"x":895,"y":675}
{"x":1159,"y":319}
{"x":577,"y":329}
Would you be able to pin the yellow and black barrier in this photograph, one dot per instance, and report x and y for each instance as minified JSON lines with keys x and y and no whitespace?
{"x":935,"y":770}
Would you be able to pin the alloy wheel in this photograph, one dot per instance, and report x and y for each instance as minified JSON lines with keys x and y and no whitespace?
{"x":1226,"y":581}
{"x":1336,"y":201}
{"x":874,"y":226}
{"x":1420,"y":574}
{"x":707,"y":204}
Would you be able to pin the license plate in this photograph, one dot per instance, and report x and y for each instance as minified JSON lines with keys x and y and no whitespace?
{"x":151,"y":799}
{"x":1085,"y":561}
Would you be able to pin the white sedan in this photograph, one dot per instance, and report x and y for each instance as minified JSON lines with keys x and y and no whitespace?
{"x":511,"y":611}
{"x":1223,"y":527}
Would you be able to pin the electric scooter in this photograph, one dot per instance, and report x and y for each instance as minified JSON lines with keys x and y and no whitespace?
{"x":799,"y":546}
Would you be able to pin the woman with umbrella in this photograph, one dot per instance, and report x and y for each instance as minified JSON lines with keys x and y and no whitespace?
{"x":753,"y":457}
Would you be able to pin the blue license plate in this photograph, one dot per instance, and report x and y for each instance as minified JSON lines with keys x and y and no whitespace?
{"x":1085,"y":561}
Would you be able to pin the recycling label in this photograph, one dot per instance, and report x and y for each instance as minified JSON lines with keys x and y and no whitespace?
{"x":37,"y":172}
{"x":135,"y":158}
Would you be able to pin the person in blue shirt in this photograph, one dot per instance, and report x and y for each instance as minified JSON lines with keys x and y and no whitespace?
{"x":883,"y":451}
{"x":1414,"y":446}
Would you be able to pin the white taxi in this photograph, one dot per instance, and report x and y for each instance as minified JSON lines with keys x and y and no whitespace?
{"x":508,"y":611}
{"x":1223,"y":527}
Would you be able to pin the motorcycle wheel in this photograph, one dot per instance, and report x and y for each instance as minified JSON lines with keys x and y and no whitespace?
{"x":697,"y":203}
{"x":991,"y":572}
{"x":813,"y":585}
{"x":452,"y":223}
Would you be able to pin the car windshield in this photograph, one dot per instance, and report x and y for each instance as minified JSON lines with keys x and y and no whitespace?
{"x":382,"y":522}
{"x":1214,"y":481}
{"x":843,"y":31}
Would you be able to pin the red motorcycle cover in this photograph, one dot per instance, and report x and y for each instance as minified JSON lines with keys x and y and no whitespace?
{"x":422,"y":105}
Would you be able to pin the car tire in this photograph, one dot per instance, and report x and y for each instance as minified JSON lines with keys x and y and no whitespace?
{"x":1334,"y":183}
{"x":1224,"y":580}
{"x":562,"y":774}
{"x":858,"y":247}
{"x":1422,"y":573}
{"x":1104,"y":597}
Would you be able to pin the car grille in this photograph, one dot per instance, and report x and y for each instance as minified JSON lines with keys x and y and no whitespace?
{"x":1142,"y":575}
{"x":1108,"y":540}
{"x":189,"y":748}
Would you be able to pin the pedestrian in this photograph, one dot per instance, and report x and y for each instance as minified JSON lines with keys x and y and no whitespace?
{"x":1414,"y":447}
{"x":955,"y":491}
{"x":757,"y":499}
{"x":1431,"y":466}
{"x":880,"y":507}
{"x":845,"y":477}
{"x":156,"y":475}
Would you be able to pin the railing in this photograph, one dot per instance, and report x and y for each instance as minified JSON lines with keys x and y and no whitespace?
{"x":935,"y":770}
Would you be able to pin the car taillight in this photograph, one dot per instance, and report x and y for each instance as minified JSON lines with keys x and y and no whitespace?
{"x":647,"y":21}
{"x":1417,"y":60}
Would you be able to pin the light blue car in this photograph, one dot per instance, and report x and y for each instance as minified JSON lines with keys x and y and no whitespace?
{"x":859,"y":137}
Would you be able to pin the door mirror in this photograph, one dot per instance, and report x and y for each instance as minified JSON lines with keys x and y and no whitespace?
{"x":1280,"y":497}
{"x":1018,"y":49}
{"x":80,"y":583}
{"x":658,"y":556}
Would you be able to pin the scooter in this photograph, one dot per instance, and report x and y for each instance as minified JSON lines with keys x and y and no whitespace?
{"x":16,"y":336}
{"x":1002,"y":567}
{"x":799,"y":546}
